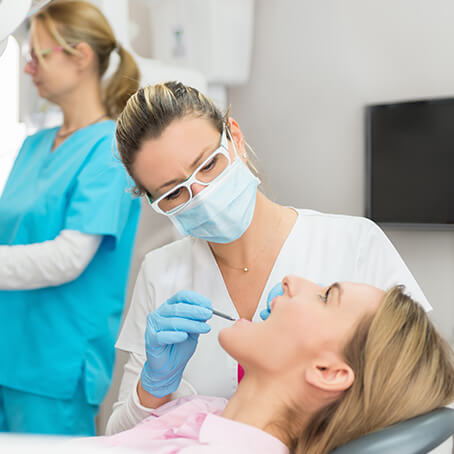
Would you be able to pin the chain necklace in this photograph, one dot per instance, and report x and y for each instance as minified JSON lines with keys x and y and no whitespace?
{"x":66,"y":134}
{"x":246,"y":268}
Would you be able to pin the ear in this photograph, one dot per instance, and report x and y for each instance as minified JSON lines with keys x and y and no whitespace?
{"x":331,"y":375}
{"x":85,"y":56}
{"x":237,"y":137}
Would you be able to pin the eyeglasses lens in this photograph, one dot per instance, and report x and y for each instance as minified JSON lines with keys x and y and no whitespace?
{"x":208,"y":173}
{"x":30,"y":57}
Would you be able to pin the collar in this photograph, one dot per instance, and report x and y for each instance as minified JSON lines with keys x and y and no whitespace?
{"x":217,"y":430}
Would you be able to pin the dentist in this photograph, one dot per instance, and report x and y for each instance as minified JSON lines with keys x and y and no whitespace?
{"x":192,"y":165}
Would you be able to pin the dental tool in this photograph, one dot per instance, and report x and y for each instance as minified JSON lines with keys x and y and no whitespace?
{"x":220,"y":314}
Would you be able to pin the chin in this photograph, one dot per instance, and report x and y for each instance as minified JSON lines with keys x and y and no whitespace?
{"x":42,"y":93}
{"x":234,"y":340}
{"x":223,"y":337}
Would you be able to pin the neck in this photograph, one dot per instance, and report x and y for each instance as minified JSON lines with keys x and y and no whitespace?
{"x":263,"y":403}
{"x":268,"y":216}
{"x":81,"y":106}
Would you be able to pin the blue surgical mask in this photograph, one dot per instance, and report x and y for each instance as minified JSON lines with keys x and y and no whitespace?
{"x":223,"y":211}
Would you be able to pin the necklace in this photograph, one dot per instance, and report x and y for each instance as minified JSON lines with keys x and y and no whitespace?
{"x":246,"y":268}
{"x":66,"y":134}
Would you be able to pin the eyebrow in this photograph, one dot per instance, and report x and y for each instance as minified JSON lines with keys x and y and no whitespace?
{"x":193,"y":165}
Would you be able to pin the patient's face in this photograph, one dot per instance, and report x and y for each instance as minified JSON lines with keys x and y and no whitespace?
{"x":305,"y":322}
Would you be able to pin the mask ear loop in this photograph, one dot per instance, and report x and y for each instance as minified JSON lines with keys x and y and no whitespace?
{"x":233,"y":142}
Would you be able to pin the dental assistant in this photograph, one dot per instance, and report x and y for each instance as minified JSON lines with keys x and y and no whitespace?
{"x":192,"y":165}
{"x":67,"y":228}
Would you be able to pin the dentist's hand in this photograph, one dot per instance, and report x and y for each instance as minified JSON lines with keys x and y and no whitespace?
{"x":275,"y":291}
{"x":171,"y":338}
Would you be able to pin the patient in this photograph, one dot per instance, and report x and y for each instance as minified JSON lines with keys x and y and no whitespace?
{"x":328,"y":366}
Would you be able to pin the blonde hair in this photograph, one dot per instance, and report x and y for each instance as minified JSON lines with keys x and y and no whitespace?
{"x":152,"y":109}
{"x":70,"y":22}
{"x":403,"y":368}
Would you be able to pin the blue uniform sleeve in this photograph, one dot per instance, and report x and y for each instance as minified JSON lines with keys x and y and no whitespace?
{"x":100,"y":202}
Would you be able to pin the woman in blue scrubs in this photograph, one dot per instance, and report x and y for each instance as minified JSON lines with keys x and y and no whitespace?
{"x":67,"y":227}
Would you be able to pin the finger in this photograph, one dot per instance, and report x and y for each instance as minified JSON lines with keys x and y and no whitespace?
{"x":190,"y":297}
{"x":277,"y":290}
{"x":170,"y":337}
{"x":264,"y":314}
{"x":180,"y":324}
{"x":185,"y":310}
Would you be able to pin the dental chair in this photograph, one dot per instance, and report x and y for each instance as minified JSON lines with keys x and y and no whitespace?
{"x":415,"y":436}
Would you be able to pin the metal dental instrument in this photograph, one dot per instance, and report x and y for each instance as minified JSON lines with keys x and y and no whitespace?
{"x":220,"y":314}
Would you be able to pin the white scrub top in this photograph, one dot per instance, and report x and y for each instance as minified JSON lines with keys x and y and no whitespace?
{"x":324,"y":248}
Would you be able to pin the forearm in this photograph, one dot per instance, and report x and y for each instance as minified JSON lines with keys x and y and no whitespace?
{"x":49,"y":263}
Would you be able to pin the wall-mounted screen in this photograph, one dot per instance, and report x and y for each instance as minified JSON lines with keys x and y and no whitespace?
{"x":410,"y":163}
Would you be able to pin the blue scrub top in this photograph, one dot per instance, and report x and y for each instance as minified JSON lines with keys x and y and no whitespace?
{"x":50,"y":336}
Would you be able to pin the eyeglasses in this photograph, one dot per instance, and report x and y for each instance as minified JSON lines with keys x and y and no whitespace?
{"x":212,"y":168}
{"x":31,"y":57}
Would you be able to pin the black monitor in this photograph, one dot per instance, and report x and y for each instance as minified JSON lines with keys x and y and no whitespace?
{"x":410,"y":163}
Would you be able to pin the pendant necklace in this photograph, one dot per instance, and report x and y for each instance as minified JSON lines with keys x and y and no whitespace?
{"x":246,"y":268}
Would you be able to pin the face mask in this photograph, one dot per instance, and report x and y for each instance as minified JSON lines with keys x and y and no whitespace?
{"x":223,"y":211}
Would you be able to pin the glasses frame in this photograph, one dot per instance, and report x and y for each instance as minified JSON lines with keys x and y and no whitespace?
{"x":43,"y":53}
{"x":222,"y":149}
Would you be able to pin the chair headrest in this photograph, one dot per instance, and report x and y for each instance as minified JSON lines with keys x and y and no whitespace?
{"x":418,"y":435}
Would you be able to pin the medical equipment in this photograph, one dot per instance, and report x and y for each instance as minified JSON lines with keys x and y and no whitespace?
{"x":213,"y":37}
{"x":221,"y":314}
{"x":153,"y":70}
{"x":12,"y":13}
{"x":203,"y":43}
{"x":418,"y":435}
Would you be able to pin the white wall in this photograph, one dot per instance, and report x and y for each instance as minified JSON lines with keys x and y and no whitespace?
{"x":316,"y":64}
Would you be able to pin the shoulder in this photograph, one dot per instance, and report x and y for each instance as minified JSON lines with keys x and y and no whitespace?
{"x":102,"y":129}
{"x":99,"y":142}
{"x":328,"y":222}
{"x":40,"y":135}
{"x":101,"y":135}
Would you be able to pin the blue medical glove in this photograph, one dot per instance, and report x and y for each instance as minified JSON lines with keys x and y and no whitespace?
{"x":275,"y":291}
{"x":171,"y":338}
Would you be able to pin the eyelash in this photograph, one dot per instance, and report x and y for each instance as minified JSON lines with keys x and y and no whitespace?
{"x":324,"y":297}
{"x":210,"y":164}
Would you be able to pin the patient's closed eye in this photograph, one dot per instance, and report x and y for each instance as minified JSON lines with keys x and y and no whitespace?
{"x":324,"y":297}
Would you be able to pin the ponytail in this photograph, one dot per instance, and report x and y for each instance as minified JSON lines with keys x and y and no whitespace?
{"x":122,"y":84}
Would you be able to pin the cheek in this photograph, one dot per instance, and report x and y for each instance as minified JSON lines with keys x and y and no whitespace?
{"x":59,"y":80}
{"x":300,"y":326}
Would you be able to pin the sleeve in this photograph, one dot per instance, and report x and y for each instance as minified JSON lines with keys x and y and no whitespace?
{"x":378,"y":263}
{"x":46,"y":264}
{"x":127,"y":411}
{"x":100,"y":202}
{"x":132,"y":334}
